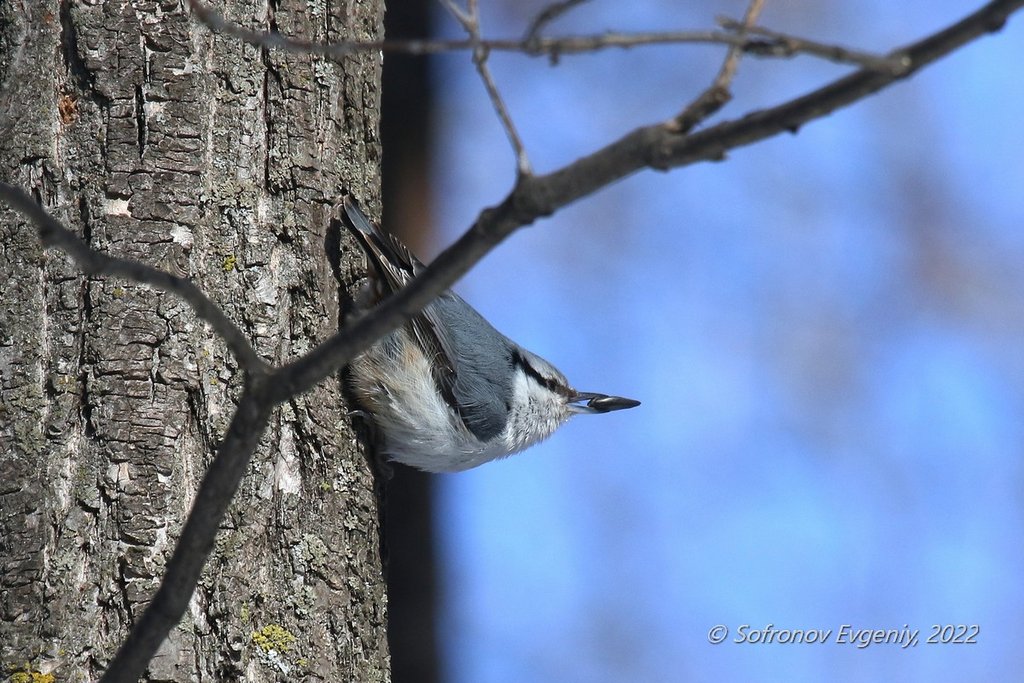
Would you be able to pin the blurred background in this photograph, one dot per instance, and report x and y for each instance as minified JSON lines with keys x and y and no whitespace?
{"x":825,"y":330}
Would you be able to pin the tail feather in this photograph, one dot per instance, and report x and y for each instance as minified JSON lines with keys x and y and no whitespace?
{"x":397,"y":266}
{"x":392,"y":259}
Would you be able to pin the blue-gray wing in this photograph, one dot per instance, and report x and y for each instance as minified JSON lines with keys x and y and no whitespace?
{"x":482,"y":361}
{"x":470,"y":360}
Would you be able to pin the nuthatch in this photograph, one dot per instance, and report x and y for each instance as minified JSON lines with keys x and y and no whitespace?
{"x":447,"y":391}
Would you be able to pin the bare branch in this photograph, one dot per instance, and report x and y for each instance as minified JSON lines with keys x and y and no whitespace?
{"x":546,"y":16}
{"x":221,"y":479}
{"x":552,"y":47}
{"x":470,"y":21}
{"x":660,"y":147}
{"x":656,"y":146}
{"x":653,"y":146}
{"x":523,"y":166}
{"x":783,"y":45}
{"x":463,"y":16}
{"x":272,"y":40}
{"x":732,"y":57}
{"x":53,"y":234}
{"x":718,"y":94}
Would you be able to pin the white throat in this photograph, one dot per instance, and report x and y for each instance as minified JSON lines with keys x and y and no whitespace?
{"x":535,"y":413}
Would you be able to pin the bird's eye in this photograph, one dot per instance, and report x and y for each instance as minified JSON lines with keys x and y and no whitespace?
{"x":551,"y":383}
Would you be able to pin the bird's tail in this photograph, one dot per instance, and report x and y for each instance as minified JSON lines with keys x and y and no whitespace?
{"x":389,"y":257}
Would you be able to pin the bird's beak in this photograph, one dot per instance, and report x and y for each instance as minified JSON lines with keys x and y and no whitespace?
{"x":599,"y":403}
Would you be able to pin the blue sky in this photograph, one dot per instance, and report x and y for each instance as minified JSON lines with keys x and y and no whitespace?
{"x":825,"y":331}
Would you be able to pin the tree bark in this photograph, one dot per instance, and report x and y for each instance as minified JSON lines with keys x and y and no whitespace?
{"x":155,"y":140}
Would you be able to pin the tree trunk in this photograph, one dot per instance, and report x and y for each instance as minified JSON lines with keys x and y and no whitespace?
{"x":155,"y":140}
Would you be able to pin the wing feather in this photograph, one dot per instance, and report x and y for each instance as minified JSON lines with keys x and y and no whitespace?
{"x":397,"y":266}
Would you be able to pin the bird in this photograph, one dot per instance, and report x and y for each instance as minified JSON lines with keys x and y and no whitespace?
{"x":446,"y":391}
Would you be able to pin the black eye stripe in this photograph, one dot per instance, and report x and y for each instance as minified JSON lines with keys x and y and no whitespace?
{"x":546,"y":382}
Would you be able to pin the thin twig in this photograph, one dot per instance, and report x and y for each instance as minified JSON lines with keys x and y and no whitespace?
{"x":546,"y":16}
{"x":783,"y":45}
{"x":273,"y":40}
{"x":718,"y":94}
{"x":553,"y":47}
{"x":470,"y":20}
{"x":463,"y":16}
{"x":732,"y":58}
{"x":523,"y":167}
{"x":53,"y":234}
